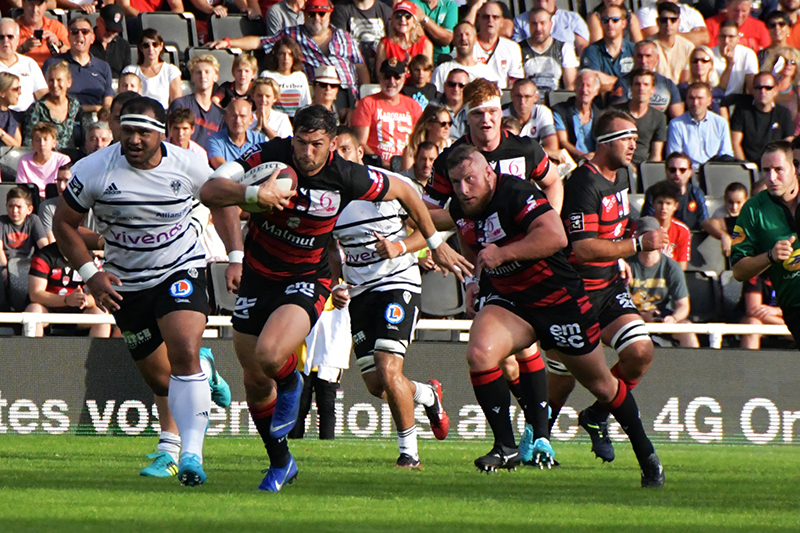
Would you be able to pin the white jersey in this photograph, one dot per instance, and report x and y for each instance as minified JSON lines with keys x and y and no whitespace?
{"x":505,"y":60}
{"x":355,"y":230}
{"x":145,"y":216}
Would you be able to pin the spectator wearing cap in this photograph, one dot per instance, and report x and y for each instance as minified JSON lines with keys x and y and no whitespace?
{"x":503,"y":56}
{"x":367,"y":21}
{"x":611,"y":57}
{"x":406,"y":38}
{"x":438,"y":18}
{"x":384,"y":121}
{"x":53,"y":38}
{"x":108,"y":44}
{"x":779,"y":26}
{"x":320,"y":43}
{"x":673,"y":50}
{"x":284,"y":14}
{"x":753,"y":33}
{"x":464,"y":42}
{"x":325,"y":89}
{"x":230,"y":144}
{"x":691,"y":25}
{"x":31,"y":80}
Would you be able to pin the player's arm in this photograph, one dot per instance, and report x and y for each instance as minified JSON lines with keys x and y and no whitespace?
{"x":222,"y":191}
{"x":750,"y":267}
{"x":545,"y":236}
{"x":226,"y":222}
{"x":594,"y":250}
{"x":553,"y":188}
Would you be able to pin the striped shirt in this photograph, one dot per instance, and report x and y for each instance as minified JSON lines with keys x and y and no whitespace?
{"x":144,"y":215}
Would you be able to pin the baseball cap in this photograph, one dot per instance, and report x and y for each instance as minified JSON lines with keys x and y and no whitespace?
{"x":393,"y":66}
{"x":322,"y":6}
{"x":405,"y":5}
{"x":646,"y":224}
{"x":326,"y":74}
{"x":112,"y":17}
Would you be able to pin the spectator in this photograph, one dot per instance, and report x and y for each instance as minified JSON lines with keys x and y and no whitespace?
{"x":10,"y":132}
{"x":31,"y":79}
{"x":406,"y":37}
{"x":701,"y":69}
{"x":320,"y":44}
{"x":779,"y":26}
{"x":452,"y":98}
{"x":326,"y":89}
{"x":535,"y":120}
{"x":691,"y":25}
{"x":700,"y":133}
{"x":57,"y":108}
{"x":692,"y":209}
{"x":612,"y":57}
{"x":91,"y":77}
{"x":367,"y":21}
{"x":760,"y":305}
{"x":754,"y":34}
{"x":132,"y":8}
{"x":22,"y":233}
{"x":658,"y":288}
{"x":244,"y":71}
{"x":129,"y":81}
{"x":48,"y":207}
{"x":501,"y":55}
{"x":438,"y":18}
{"x":284,"y":14}
{"x":782,"y":63}
{"x":422,"y":169}
{"x":269,"y":122}
{"x":384,"y":121}
{"x":433,"y":126}
{"x":285,"y":66}
{"x":53,"y":38}
{"x":633,"y":31}
{"x":665,"y":196}
{"x":54,"y":287}
{"x":237,"y":138}
{"x":573,"y":119}
{"x":109,"y":46}
{"x":464,"y":39}
{"x":208,"y":116}
{"x":651,"y":123}
{"x":116,"y":107}
{"x":160,"y":81}
{"x":41,"y":166}
{"x":511,"y":125}
{"x":348,"y":145}
{"x":418,"y":85}
{"x":735,"y":64}
{"x":98,"y":136}
{"x":550,"y":63}
{"x":673,"y":50}
{"x":568,"y":26}
{"x":180,"y":124}
{"x":666,"y":97}
{"x":756,"y":123}
{"x":722,"y":221}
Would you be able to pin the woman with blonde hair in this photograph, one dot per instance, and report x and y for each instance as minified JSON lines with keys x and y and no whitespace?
{"x":433,"y":126}
{"x":406,"y":37}
{"x":782,"y":62}
{"x":160,"y":81}
{"x":264,"y":92}
{"x":701,"y":69}
{"x":10,"y":89}
{"x":57,"y":107}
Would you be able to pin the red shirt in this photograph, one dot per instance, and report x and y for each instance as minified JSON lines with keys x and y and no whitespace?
{"x":394,"y":50}
{"x":390,"y":126}
{"x":679,"y":246}
{"x":752,"y":34}
{"x":42,"y":53}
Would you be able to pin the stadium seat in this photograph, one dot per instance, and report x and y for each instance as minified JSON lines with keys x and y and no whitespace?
{"x":178,"y":29}
{"x":220,"y":300}
{"x":225,"y":58}
{"x":396,"y":163}
{"x":5,"y":187}
{"x":186,"y":87}
{"x":18,"y":288}
{"x":637,"y":202}
{"x":704,"y":296}
{"x":8,"y":163}
{"x":717,"y":176}
{"x":505,"y":97}
{"x":235,"y":25}
{"x":442,"y":297}
{"x":731,"y":292}
{"x":368,"y":89}
{"x":713,"y":203}
{"x":650,"y":173}
{"x":706,"y":254}
{"x":556,"y":97}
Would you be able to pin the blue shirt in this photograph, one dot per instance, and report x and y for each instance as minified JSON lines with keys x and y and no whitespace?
{"x":699,"y":140}
{"x":566,"y":24}
{"x":220,"y":145}
{"x":584,"y":141}
{"x":207,"y":122}
{"x":596,"y":57}
{"x":91,"y":83}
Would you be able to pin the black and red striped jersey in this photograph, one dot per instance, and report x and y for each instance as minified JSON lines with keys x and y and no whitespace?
{"x":506,"y":219}
{"x":292,"y":243}
{"x":522,"y":157}
{"x":595,"y":208}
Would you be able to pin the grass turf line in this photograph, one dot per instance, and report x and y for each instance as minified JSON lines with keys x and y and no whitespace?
{"x":74,"y":484}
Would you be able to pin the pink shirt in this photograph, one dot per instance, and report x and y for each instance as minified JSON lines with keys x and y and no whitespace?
{"x":40,"y":175}
{"x":196,"y":148}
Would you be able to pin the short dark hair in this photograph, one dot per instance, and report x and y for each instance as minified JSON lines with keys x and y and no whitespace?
{"x":664,"y":189}
{"x":20,"y":192}
{"x":728,"y":23}
{"x":460,"y":154}
{"x":602,"y":124}
{"x":426,"y":145}
{"x":123,"y":98}
{"x":420,"y":61}
{"x":65,"y":166}
{"x":75,"y":20}
{"x":699,"y":85}
{"x":315,"y":118}
{"x":668,"y":7}
{"x":779,"y":146}
{"x":639,"y":72}
{"x":347,"y":130}
{"x":677,"y":155}
{"x":141,"y":104}
{"x":735,"y":187}
{"x":182,"y":114}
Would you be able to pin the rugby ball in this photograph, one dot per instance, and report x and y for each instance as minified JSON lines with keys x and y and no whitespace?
{"x":286,"y":179}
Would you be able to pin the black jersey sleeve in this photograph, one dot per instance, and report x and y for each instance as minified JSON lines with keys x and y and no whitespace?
{"x":526,"y":202}
{"x":581,"y":207}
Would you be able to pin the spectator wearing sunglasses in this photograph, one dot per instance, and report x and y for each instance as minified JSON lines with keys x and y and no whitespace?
{"x":779,"y":26}
{"x":673,"y":50}
{"x":434,"y":127}
{"x":701,"y":69}
{"x":692,"y":209}
{"x":753,"y":32}
{"x":384,"y":121}
{"x":755,"y":124}
{"x":783,"y":63}
{"x":691,"y":26}
{"x":611,"y":57}
{"x":452,"y":99}
{"x":535,"y":120}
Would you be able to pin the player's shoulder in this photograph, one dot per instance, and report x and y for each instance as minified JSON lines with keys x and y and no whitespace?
{"x":278,"y":149}
{"x":95,"y":166}
{"x":582,"y":177}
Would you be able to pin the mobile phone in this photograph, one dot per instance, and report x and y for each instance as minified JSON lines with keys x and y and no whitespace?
{"x":38,"y":34}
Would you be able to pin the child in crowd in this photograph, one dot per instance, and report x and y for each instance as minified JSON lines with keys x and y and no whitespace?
{"x":418,"y":83}
{"x":666,"y":194}
{"x":128,"y":81}
{"x":41,"y":167}
{"x":180,"y":126}
{"x":244,"y":71}
{"x":48,"y":208}
{"x":511,"y":125}
{"x":10,"y":132}
{"x":271,"y":122}
{"x":209,"y":118}
{"x":723,"y":220}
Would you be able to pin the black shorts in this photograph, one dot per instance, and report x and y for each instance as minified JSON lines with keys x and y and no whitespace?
{"x":570,"y":327}
{"x":382,"y":321}
{"x":185,"y":290}
{"x":259,"y":297}
{"x":612,"y":302}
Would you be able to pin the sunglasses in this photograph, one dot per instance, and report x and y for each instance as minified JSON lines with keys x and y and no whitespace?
{"x":147,"y":45}
{"x":312,"y":14}
{"x":7,"y":37}
{"x":790,"y":61}
{"x":606,"y":20}
{"x":763,"y":87}
{"x":404,"y":15}
{"x":454,"y":84}
{"x":779,"y":24}
{"x":326,"y":85}
{"x":444,"y":123}
{"x":670,"y":20}
{"x":700,"y":60}
{"x":680,"y":170}
{"x":82,"y":31}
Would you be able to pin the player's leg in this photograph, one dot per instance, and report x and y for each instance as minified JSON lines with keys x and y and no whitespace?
{"x":530,"y":390}
{"x":325,"y":393}
{"x":560,"y":385}
{"x":155,"y":370}
{"x":299,"y":429}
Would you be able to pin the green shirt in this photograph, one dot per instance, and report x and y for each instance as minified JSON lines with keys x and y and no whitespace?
{"x":445,"y":14}
{"x":763,"y":222}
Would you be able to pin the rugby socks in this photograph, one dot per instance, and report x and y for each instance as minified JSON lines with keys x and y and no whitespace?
{"x":277,"y":449}
{"x":625,"y":410}
{"x":423,"y":394}
{"x":533,"y":386}
{"x":286,"y":378}
{"x":407,"y":441}
{"x":516,"y":390}
{"x":617,"y":373}
{"x":190,"y":403}
{"x":491,"y":391}
{"x":170,"y":443}
{"x":598,"y":411}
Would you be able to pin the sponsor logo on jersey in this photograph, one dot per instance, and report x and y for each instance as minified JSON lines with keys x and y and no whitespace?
{"x":738,"y":235}
{"x":394,"y":314}
{"x":192,"y":272}
{"x":567,"y":335}
{"x":181,"y":288}
{"x":692,"y":206}
{"x":532,"y":203}
{"x":242,"y":307}
{"x":112,"y":189}
{"x":406,"y":296}
{"x":492,"y":230}
{"x":293,"y":222}
{"x":123,"y":237}
{"x":514,"y":166}
{"x":608,"y":203}
{"x":75,"y":186}
{"x":576,"y":222}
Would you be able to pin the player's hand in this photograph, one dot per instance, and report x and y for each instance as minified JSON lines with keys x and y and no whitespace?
{"x":270,"y":196}
{"x":725,"y":244}
{"x":450,"y":261}
{"x":387,"y":249}
{"x":470,"y":297}
{"x":654,"y":240}
{"x":101,"y":285}
{"x":783,"y":249}
{"x":427,"y":263}
{"x":490,"y":257}
{"x":233,"y":275}
{"x":340,"y":296}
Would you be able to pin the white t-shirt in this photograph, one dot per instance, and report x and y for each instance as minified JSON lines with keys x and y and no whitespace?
{"x":540,"y":125}
{"x":279,"y":123}
{"x":745,"y":62}
{"x":31,"y":80}
{"x":156,"y":87}
{"x":476,"y":71}
{"x":506,"y":61}
{"x":294,"y":91}
{"x":690,"y":18}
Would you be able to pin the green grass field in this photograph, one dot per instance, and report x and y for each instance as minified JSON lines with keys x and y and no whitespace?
{"x":76,"y":484}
